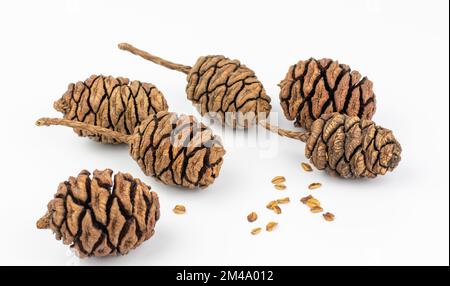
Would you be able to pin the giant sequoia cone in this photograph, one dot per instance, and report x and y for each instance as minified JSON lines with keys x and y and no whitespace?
{"x":99,"y":217}
{"x":348,"y":146}
{"x":114,"y":103}
{"x":352,"y":147}
{"x":220,"y":87}
{"x":175,"y":149}
{"x":315,"y":87}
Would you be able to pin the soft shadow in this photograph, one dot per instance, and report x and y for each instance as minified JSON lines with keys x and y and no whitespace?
{"x":105,"y":148}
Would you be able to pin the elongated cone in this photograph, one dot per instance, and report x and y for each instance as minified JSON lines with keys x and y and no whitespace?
{"x":351,"y":147}
{"x":348,"y":146}
{"x":113,"y":103}
{"x":175,"y":149}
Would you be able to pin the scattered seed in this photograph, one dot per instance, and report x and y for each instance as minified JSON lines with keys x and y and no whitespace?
{"x":305,"y":199}
{"x":306,"y":167}
{"x":280,"y":187}
{"x":313,"y":203}
{"x":271,"y":204}
{"x":277,"y":209}
{"x":271,"y":226}
{"x":252,"y":217}
{"x":255,"y":231}
{"x":314,"y":186}
{"x":328,"y":216}
{"x":316,"y":209}
{"x":310,"y":201}
{"x":179,"y":209}
{"x":283,"y":200}
{"x":278,"y":180}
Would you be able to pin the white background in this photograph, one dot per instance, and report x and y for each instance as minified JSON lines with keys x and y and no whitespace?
{"x":402,"y":46}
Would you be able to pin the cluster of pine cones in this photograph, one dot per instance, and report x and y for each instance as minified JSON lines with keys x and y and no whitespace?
{"x":100,"y":215}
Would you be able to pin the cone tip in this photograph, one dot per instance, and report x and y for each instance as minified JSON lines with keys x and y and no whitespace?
{"x":43,"y":222}
{"x":61,"y":105}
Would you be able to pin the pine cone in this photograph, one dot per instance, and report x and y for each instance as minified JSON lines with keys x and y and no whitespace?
{"x":219,"y":87}
{"x":222,"y":87}
{"x":97,"y":217}
{"x":177,"y":150}
{"x":315,"y":87}
{"x":114,"y":103}
{"x":351,"y":147}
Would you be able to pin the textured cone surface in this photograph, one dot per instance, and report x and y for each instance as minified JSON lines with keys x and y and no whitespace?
{"x":225,"y":89}
{"x":177,"y":150}
{"x":114,"y":103}
{"x":99,"y":217}
{"x":315,"y":87}
{"x":351,"y":147}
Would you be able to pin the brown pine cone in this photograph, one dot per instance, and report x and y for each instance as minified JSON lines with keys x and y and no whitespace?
{"x":97,"y":217}
{"x":114,"y":103}
{"x":315,"y":87}
{"x":219,"y":87}
{"x":177,"y":150}
{"x":351,"y":147}
{"x":224,"y":88}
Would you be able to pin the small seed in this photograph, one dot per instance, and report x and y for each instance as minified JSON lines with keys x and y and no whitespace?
{"x":252,"y":217}
{"x":283,"y":200}
{"x":179,"y":209}
{"x":306,"y":167}
{"x":278,"y":180}
{"x":314,"y":186}
{"x":328,"y":216}
{"x":310,"y":201}
{"x":277,"y":209}
{"x":305,"y":199}
{"x":317,"y":209}
{"x":280,"y":187}
{"x":271,"y":204}
{"x":271,"y":226}
{"x":255,"y":231}
{"x":313,"y":203}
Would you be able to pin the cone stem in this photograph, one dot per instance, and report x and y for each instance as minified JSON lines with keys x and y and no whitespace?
{"x":44,"y":222}
{"x":97,"y":130}
{"x":297,"y":135}
{"x":153,"y":58}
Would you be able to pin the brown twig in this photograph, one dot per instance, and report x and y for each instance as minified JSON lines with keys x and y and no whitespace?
{"x":84,"y":126}
{"x":153,"y":58}
{"x":297,"y":135}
